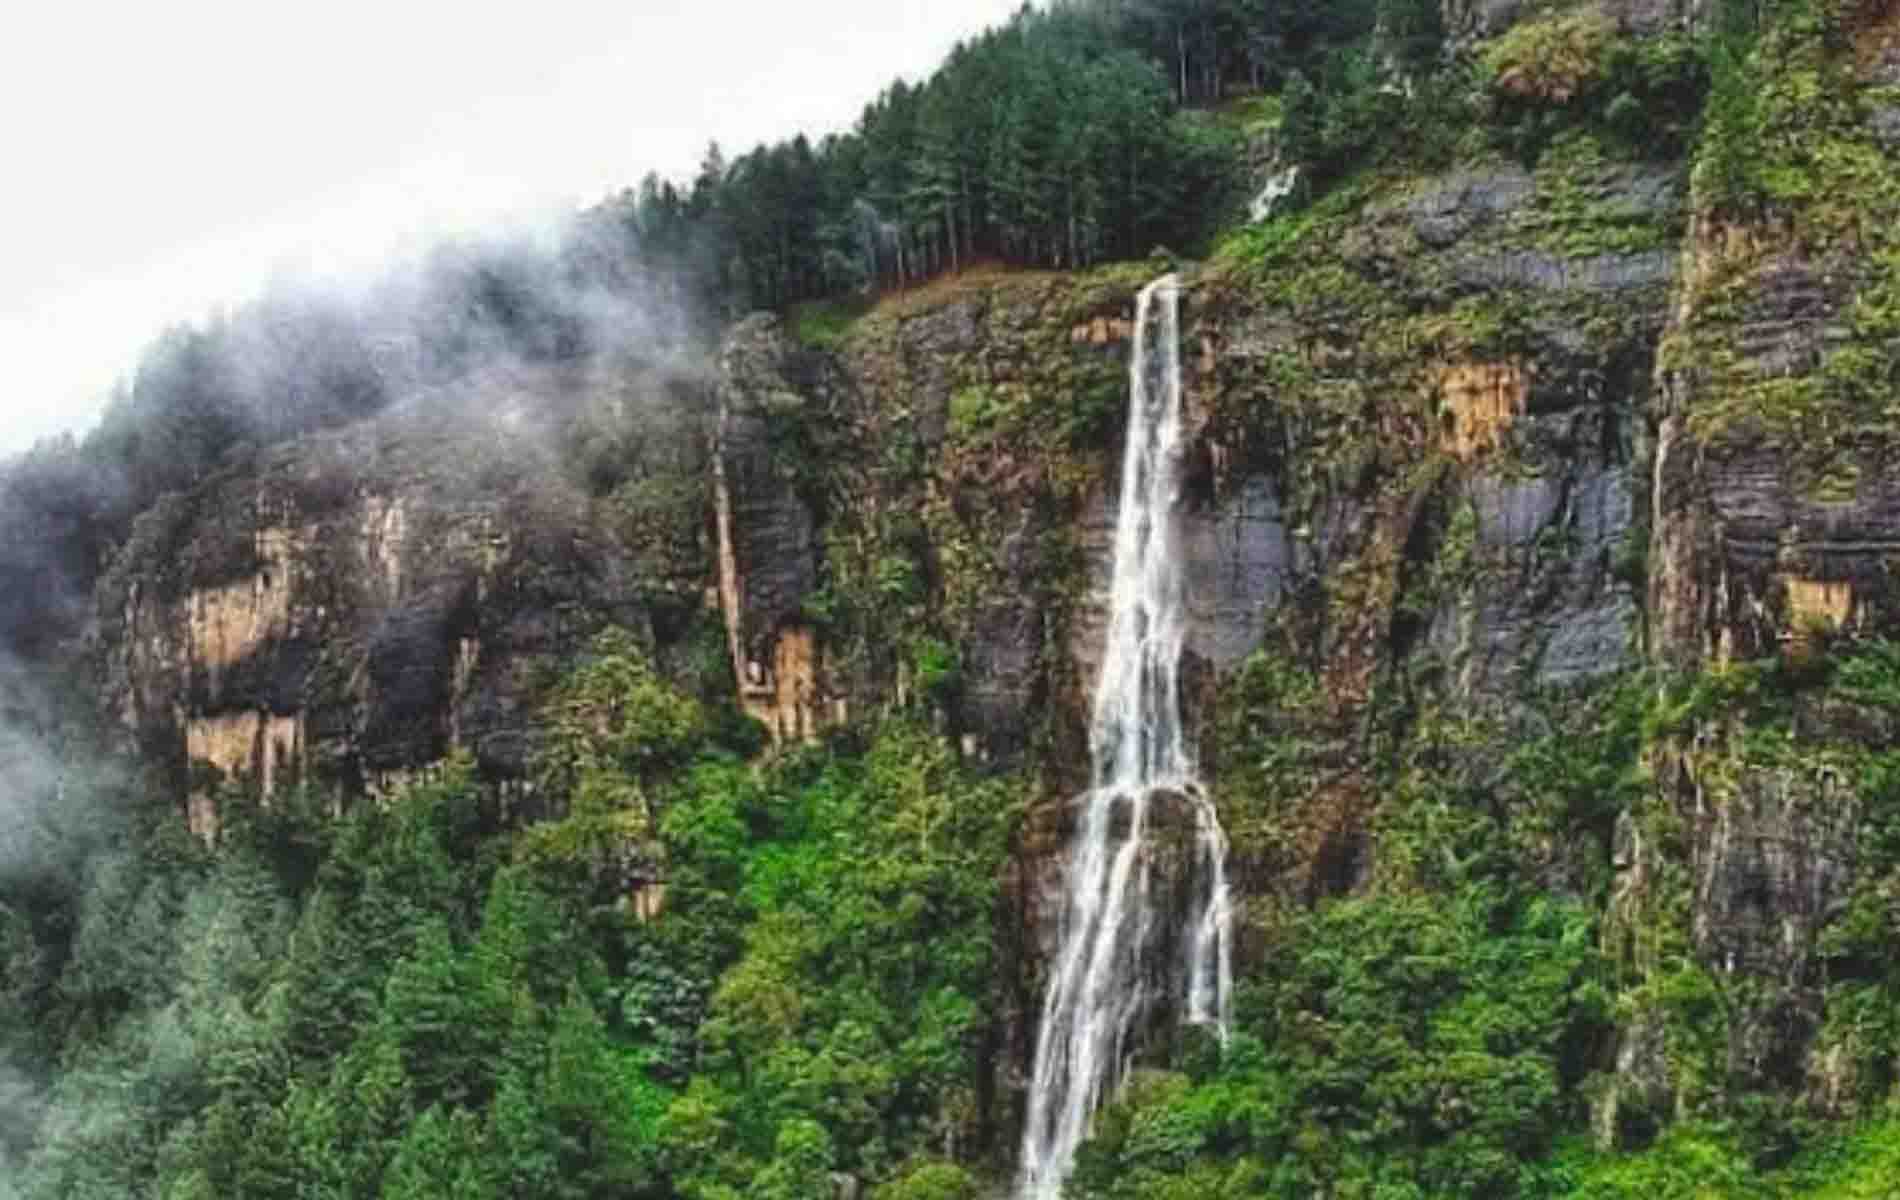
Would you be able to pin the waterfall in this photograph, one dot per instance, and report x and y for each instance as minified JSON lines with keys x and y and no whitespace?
{"x":1102,"y":983}
{"x":1277,"y":187}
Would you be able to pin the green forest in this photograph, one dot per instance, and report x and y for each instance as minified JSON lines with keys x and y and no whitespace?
{"x":420,"y":1000}
{"x":673,"y":959}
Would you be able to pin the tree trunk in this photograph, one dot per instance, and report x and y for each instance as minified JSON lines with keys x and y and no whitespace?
{"x":1130,"y":204}
{"x":1180,"y":55}
{"x":950,"y":227}
{"x":1074,"y":258}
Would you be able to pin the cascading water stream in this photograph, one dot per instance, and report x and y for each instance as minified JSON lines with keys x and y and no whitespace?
{"x":1099,"y":987}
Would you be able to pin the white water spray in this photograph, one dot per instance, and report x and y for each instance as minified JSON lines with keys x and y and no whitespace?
{"x":1102,"y":983}
{"x":1278,"y":187}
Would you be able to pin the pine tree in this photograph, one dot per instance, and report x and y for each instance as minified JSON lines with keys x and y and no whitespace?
{"x":434,"y":1017}
{"x":590,"y":1107}
{"x":439,"y":1159}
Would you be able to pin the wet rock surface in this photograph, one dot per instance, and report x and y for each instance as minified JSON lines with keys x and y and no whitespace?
{"x":1173,"y":887}
{"x":1238,"y":559}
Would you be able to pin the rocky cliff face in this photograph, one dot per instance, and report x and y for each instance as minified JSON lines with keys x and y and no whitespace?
{"x":1469,"y":453}
{"x":1416,"y":455}
{"x":1774,"y":506}
{"x":348,"y":608}
{"x":766,"y":533}
{"x":1418,"y":468}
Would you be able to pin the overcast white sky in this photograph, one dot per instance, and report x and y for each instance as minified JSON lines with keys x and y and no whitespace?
{"x":165,"y":159}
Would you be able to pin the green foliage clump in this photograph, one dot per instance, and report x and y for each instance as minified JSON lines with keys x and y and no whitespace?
{"x":612,"y":714}
{"x":1348,"y":116}
{"x":612,"y":728}
{"x":936,"y":668}
{"x":931,"y":1180}
{"x":1570,"y":213}
{"x":1862,"y":1165}
{"x":1254,"y":115}
{"x":1572,"y":70}
{"x":1783,"y":128}
{"x":856,"y":1003}
{"x":612,"y":722}
{"x":1688,"y":1163}
{"x":1265,"y":750}
{"x":825,"y":323}
{"x":1398,"y":1045}
{"x":662,"y":516}
{"x":1553,"y":59}
{"x":975,"y":410}
{"x":1790,"y":152}
{"x":1281,"y":240}
{"x":1700,"y":1161}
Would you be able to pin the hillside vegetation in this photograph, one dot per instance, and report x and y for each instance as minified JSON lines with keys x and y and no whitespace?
{"x":1509,"y":926}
